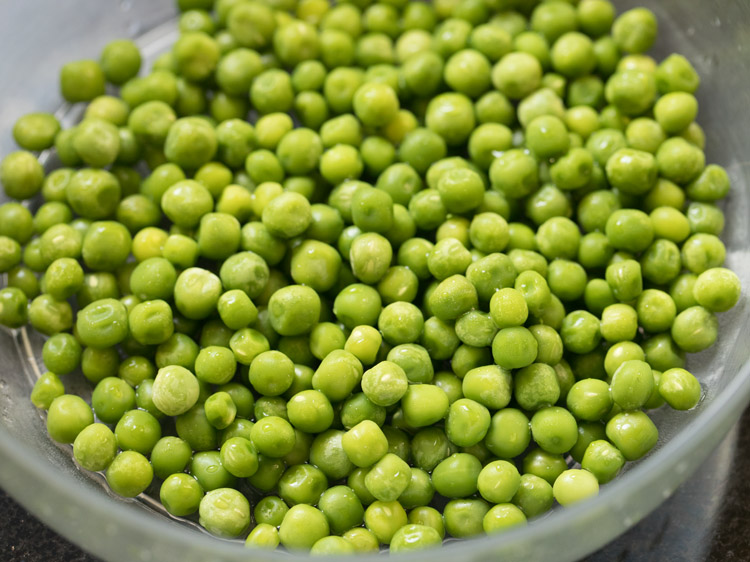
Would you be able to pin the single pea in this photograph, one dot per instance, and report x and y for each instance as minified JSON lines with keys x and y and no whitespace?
{"x":464,"y":517}
{"x":633,"y":433}
{"x":589,"y":399}
{"x":36,"y":131}
{"x":13,"y":309}
{"x":190,"y":142}
{"x":294,"y":310}
{"x":111,"y":398}
{"x":120,"y":61}
{"x":619,"y":353}
{"x":81,"y":81}
{"x":514,"y":348}
{"x":220,"y":410}
{"x":384,"y":519}
{"x":429,"y":517}
{"x":476,"y":329}
{"x":514,"y":173}
{"x":97,"y":142}
{"x":302,"y":484}
{"x":414,"y":537}
{"x":273,"y":436}
{"x":310,"y":411}
{"x":498,"y":482}
{"x":467,"y":422}
{"x":632,"y":384}
{"x":554,"y":429}
{"x":558,"y":237}
{"x":575,"y":485}
{"x":424,"y":404}
{"x":501,"y":517}
{"x":603,"y":460}
{"x":420,"y":490}
{"x":635,"y":30}
{"x":46,"y":388}
{"x":536,"y":386}
{"x":180,"y":494}
{"x":224,"y":512}
{"x":461,"y":190}
{"x":95,"y":447}
{"x":327,"y":453}
{"x":679,"y":388}
{"x":679,"y":161}
{"x":656,"y":310}
{"x":21,"y":175}
{"x":625,"y":280}
{"x":388,"y":478}
{"x":385,"y":383}
{"x":717,"y":289}
{"x":129,"y":474}
{"x":137,"y":430}
{"x":695,"y":329}
{"x":566,"y":279}
{"x":170,"y":455}
{"x":175,"y":390}
{"x":705,"y":218}
{"x":516,"y":75}
{"x":456,"y":476}
{"x":263,"y":536}
{"x":619,"y":323}
{"x":44,"y":313}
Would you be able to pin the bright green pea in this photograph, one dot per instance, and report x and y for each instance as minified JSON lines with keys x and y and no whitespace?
{"x":554,"y":429}
{"x":467,"y":423}
{"x":717,"y":289}
{"x":514,"y":347}
{"x":129,"y":474}
{"x":633,"y":433}
{"x":573,"y":486}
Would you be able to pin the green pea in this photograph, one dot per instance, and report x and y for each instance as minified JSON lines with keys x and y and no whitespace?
{"x":514,"y":348}
{"x":47,"y":387}
{"x":574,"y":485}
{"x":514,"y":174}
{"x":534,"y":495}
{"x":224,"y":512}
{"x":633,"y":433}
{"x":129,"y":474}
{"x":544,"y":465}
{"x":464,"y":517}
{"x":695,"y":329}
{"x":603,"y":460}
{"x":679,"y":388}
{"x":467,"y":423}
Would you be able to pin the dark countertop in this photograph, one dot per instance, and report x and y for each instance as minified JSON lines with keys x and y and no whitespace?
{"x":707,"y":519}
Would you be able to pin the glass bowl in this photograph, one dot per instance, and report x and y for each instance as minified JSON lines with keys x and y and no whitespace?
{"x":36,"y":38}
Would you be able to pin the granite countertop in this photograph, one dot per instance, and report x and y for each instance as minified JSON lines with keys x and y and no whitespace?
{"x":707,"y":519}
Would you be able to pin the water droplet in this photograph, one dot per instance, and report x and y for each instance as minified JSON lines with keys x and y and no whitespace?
{"x":717,"y":21}
{"x":690,"y":31}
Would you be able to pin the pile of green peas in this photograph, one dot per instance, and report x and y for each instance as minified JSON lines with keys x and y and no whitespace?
{"x":386,"y":256}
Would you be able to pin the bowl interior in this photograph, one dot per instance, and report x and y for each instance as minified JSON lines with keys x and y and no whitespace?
{"x":713,"y":35}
